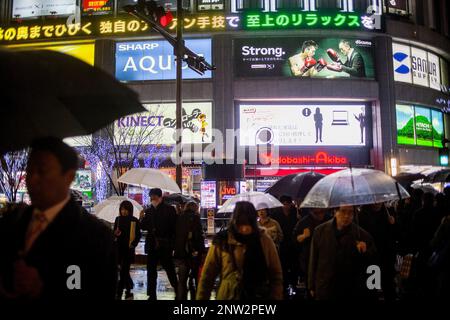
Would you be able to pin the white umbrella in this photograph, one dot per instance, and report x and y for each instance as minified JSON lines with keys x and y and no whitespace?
{"x":260,"y":200}
{"x":353,"y":188}
{"x":149,"y":178}
{"x":108,"y":209}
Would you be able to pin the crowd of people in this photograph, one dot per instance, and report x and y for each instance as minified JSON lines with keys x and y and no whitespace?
{"x":54,"y":249}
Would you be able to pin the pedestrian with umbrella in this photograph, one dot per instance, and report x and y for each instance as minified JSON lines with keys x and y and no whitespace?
{"x":340,"y":254}
{"x":271,"y":226}
{"x":245,"y":259}
{"x":159,"y":220}
{"x":340,"y":245}
{"x":302,"y":236}
{"x":128,"y":234}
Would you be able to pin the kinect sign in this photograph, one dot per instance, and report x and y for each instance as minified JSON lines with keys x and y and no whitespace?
{"x":154,"y":60}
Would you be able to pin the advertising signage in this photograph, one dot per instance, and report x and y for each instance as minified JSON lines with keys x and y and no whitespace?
{"x":157,"y":126}
{"x":420,"y":67}
{"x":419,"y":126}
{"x":154,"y":60}
{"x":304,"y":57}
{"x":96,"y":7}
{"x":84,"y":51}
{"x":38,"y":8}
{"x":303,"y":124}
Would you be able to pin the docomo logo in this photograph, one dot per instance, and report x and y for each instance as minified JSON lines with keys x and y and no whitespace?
{"x":252,"y":51}
{"x":363,"y":43}
{"x":316,"y":159}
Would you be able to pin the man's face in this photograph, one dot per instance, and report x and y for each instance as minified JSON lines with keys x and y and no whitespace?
{"x":344,"y":216}
{"x":345,"y":49}
{"x":46,"y":182}
{"x":310,"y":51}
{"x":319,"y":213}
{"x":154,"y":198}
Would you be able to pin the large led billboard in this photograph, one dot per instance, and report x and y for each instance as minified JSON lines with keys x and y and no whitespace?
{"x":303,"y":124}
{"x":154,"y":60}
{"x":421,"y":126}
{"x":304,"y":57}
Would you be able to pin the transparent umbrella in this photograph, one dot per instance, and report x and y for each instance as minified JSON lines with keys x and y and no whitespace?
{"x":354,"y":187}
{"x":108,"y":209}
{"x":260,"y":200}
{"x":149,"y":178}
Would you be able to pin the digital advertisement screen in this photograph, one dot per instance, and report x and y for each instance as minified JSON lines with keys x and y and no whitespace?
{"x":154,"y":60}
{"x":39,"y":8}
{"x":419,"y":126}
{"x":85,"y":51}
{"x":303,"y":124}
{"x":157,"y":126}
{"x":96,"y":7}
{"x":304,"y":57}
{"x":208,"y":194}
{"x":83,"y":182}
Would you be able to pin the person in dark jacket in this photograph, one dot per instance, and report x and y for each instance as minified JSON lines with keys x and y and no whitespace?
{"x":128,"y":234}
{"x":341,"y":251}
{"x":159,"y":221}
{"x":376,"y":220}
{"x":303,"y":233}
{"x":189,"y":249}
{"x":54,"y":250}
{"x":425,"y":223}
{"x":441,"y":246}
{"x":287,"y":218}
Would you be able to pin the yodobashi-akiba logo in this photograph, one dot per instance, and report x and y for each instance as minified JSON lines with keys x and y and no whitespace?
{"x":421,"y":67}
{"x":363,"y":43}
{"x":257,"y":52}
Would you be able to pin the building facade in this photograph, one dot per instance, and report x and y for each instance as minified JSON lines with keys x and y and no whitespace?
{"x":331,"y":83}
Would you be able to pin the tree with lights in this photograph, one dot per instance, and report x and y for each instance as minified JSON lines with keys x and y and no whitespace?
{"x":12,"y":173}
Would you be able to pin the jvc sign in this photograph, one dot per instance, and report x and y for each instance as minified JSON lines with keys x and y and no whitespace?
{"x":154,"y":60}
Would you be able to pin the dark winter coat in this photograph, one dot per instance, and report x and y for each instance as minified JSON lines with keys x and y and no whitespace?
{"x":189,"y":236}
{"x":337,"y":270}
{"x":160,"y":224}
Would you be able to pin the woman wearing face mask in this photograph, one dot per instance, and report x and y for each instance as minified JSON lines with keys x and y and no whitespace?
{"x":128,"y":234}
{"x":246,"y":260}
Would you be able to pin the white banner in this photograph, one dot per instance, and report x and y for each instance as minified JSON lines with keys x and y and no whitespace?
{"x":303,"y":125}
{"x":402,"y":62}
{"x":419,"y":68}
{"x":434,"y":72}
{"x":157,"y":126}
{"x":38,"y":8}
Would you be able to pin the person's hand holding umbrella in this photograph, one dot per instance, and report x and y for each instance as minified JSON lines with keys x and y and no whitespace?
{"x":361,"y":246}
{"x":305,"y":235}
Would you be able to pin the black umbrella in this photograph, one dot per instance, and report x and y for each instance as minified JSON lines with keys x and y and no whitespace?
{"x":438,"y":176}
{"x":47,"y":93}
{"x":296,"y":186}
{"x":178,"y":198}
{"x":406,"y":179}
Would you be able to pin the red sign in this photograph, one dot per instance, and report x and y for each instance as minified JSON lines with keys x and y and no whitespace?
{"x":319,"y":158}
{"x":97,"y":5}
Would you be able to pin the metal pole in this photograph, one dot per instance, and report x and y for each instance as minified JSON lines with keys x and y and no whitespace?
{"x":179,"y":98}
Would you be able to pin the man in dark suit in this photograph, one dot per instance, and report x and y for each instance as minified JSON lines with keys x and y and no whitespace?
{"x":159,"y":221}
{"x":54,"y":249}
{"x":354,"y":65}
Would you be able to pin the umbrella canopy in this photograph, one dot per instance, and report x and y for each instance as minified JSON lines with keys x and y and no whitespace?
{"x":438,"y":176}
{"x":108,"y":209}
{"x":259,"y":199}
{"x":353,"y":187}
{"x":425,"y":187}
{"x":296,"y":186}
{"x":178,"y":198}
{"x":46,"y":93}
{"x":406,"y":179}
{"x":149,"y":178}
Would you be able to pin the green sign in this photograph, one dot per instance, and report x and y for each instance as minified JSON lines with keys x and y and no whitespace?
{"x":419,"y":126}
{"x":306,"y":20}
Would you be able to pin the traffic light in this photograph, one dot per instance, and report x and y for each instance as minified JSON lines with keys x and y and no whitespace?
{"x":153,"y":10}
{"x":443,"y":156}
